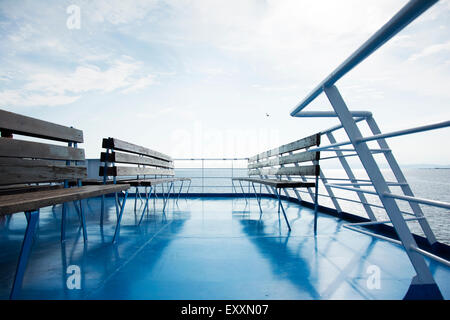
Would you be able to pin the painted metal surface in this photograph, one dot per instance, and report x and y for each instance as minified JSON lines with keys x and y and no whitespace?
{"x":205,"y":248}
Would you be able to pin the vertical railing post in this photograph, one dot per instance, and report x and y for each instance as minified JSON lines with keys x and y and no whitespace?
{"x":203,"y":175}
{"x":232,"y":173}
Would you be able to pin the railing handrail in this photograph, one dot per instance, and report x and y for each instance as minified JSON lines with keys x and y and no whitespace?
{"x":405,"y":16}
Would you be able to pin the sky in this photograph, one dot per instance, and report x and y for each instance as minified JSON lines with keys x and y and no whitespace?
{"x":220,"y":78}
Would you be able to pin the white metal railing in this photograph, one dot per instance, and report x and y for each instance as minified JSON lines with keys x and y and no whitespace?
{"x":349,"y":121}
{"x":209,"y":177}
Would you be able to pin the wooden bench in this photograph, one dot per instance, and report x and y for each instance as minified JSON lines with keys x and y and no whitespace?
{"x":25,"y":164}
{"x":144,"y":168}
{"x":285,"y":161}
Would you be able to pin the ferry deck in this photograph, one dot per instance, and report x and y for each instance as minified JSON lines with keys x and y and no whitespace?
{"x":240,"y":245}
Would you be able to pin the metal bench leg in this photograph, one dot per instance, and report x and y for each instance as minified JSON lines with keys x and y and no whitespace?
{"x":260,"y":193}
{"x":146,"y":205}
{"x":135,"y":199}
{"x":77,"y":210}
{"x":144,"y":210}
{"x":63,"y":222}
{"x":148,"y":199}
{"x":171,"y":189}
{"x":154,"y":202}
{"x":234,"y":187}
{"x":179,"y":192}
{"x":243,"y":192}
{"x":140,"y":197}
{"x":8,"y":219}
{"x":121,"y":203}
{"x":83,"y":221}
{"x":168,"y":195}
{"x":282,"y":209}
{"x":316,"y":204}
{"x":189,"y":186}
{"x":102,"y":210}
{"x":256,"y":195}
{"x":116,"y":204}
{"x":24,"y":252}
{"x":117,"y":231}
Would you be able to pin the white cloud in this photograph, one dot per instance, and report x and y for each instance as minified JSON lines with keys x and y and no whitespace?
{"x":23,"y":33}
{"x":85,"y":78}
{"x":156,"y":112}
{"x":140,"y":84}
{"x":275,"y":88}
{"x":56,"y":88}
{"x":218,"y":50}
{"x":18,"y":98}
{"x":430,"y":50}
{"x":119,"y":11}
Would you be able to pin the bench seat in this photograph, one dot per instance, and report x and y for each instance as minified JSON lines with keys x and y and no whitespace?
{"x":36,"y":174}
{"x":30,"y":201}
{"x":268,"y":167}
{"x":151,"y":182}
{"x":138,"y":166}
{"x":279,"y":183}
{"x":132,"y":182}
{"x":97,"y":182}
{"x":21,"y":188}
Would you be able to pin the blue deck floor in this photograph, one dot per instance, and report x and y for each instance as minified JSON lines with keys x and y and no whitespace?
{"x":206,"y":248}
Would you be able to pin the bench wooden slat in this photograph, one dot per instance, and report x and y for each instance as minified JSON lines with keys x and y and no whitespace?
{"x":14,"y":189}
{"x":15,"y":174}
{"x":294,"y":158}
{"x":310,"y":141}
{"x":120,"y":157}
{"x":29,"y":149}
{"x":30,"y":162}
{"x":135,"y":182}
{"x":313,"y":170}
{"x":32,"y":127}
{"x":116,"y":144}
{"x":148,"y":182}
{"x":134,"y":171}
{"x":34,"y":200}
{"x":96,"y":182}
{"x":183,"y":179}
{"x":279,"y":183}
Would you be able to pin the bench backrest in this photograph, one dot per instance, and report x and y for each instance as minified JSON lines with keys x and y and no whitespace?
{"x":269,"y":162}
{"x":143,"y":161}
{"x":24,"y":162}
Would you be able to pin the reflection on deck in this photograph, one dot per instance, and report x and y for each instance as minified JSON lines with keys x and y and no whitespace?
{"x":206,"y":248}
